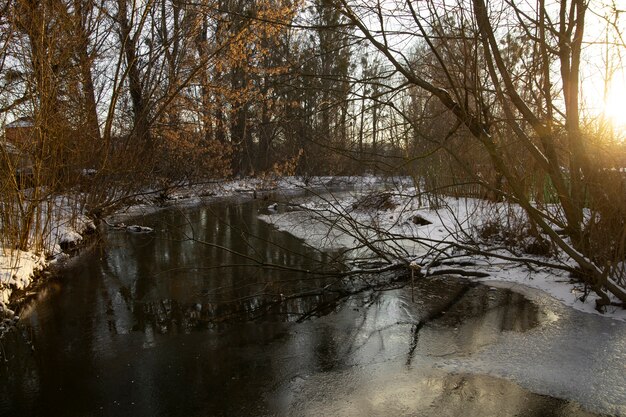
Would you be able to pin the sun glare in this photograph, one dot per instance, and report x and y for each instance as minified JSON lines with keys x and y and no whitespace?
{"x":614,"y":106}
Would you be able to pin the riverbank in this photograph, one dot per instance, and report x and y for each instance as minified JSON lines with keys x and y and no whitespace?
{"x":19,"y":268}
{"x":22,"y":272}
{"x":340,"y":220}
{"x":457,"y":236}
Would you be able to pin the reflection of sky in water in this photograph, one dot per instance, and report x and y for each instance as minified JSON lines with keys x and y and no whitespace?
{"x":553,"y":358}
{"x":580,"y":356}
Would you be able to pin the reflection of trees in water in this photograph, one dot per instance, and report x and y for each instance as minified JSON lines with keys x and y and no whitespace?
{"x":469,"y":316}
{"x":171,"y":316}
{"x":507,"y":310}
{"x":214,"y":264}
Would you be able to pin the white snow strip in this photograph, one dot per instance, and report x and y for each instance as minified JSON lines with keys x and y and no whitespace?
{"x":17,"y":270}
{"x":334,"y":223}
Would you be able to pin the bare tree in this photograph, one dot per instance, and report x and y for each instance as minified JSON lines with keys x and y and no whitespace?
{"x":548,"y":129}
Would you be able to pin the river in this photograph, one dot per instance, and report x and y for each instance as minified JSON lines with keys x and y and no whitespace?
{"x":201,"y":318}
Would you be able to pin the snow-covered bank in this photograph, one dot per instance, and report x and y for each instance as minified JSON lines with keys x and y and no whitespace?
{"x":64,"y":229}
{"x":17,"y":270}
{"x":415,"y":231}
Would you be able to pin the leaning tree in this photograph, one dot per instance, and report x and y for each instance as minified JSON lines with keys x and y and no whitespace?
{"x":509,"y":73}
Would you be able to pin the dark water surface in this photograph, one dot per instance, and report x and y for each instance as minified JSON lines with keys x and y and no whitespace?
{"x":168,"y":323}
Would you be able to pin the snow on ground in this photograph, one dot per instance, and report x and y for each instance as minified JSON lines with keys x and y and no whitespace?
{"x":64,"y":229}
{"x":17,"y":269}
{"x":336,"y":221}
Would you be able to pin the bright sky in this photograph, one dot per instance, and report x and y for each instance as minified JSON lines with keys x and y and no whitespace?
{"x":610,"y":109}
{"x":614,"y":107}
{"x":605,"y":49}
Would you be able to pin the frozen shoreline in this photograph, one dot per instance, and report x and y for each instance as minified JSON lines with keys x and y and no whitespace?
{"x":323,"y":224}
{"x":574,"y":351}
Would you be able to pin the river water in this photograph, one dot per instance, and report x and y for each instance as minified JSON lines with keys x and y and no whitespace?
{"x":215,"y":314}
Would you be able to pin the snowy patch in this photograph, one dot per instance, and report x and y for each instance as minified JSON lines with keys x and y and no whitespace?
{"x":64,"y":229}
{"x":70,"y":238}
{"x":17,"y":270}
{"x":338,"y":221}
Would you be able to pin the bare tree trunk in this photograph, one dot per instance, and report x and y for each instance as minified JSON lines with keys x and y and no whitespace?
{"x":361,"y":127}
{"x":141,"y":128}
{"x":238,"y":124}
{"x":265,"y":139}
{"x":571,"y":37}
{"x":202,"y":46}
